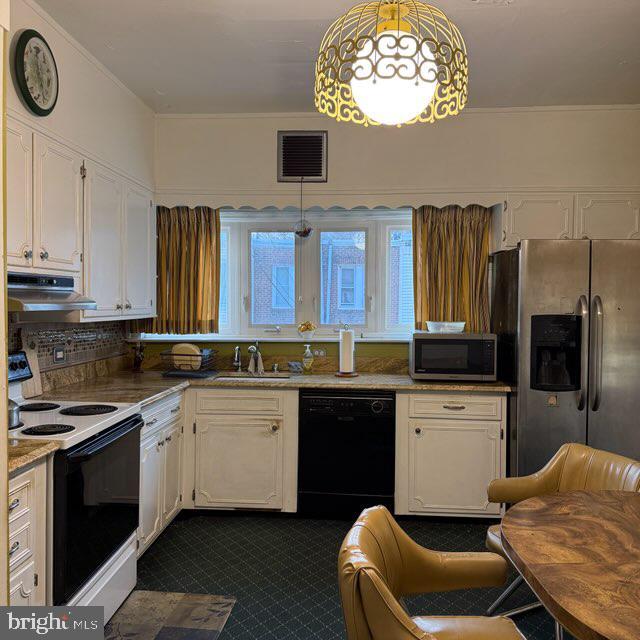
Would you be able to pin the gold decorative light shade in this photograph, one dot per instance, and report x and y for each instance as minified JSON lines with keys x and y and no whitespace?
{"x":391,"y":62}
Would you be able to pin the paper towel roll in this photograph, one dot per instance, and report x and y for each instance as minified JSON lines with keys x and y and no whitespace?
{"x":347,"y":347}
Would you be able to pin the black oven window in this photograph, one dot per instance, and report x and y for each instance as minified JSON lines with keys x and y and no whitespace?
{"x":454,"y":357}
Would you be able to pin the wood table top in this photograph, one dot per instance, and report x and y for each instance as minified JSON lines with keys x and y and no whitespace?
{"x":580,"y":553}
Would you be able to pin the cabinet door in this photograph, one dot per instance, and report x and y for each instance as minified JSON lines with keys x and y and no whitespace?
{"x":537,"y":216}
{"x":140,"y":253}
{"x":608,"y":216}
{"x":102,"y":233}
{"x":57,"y":211}
{"x":19,"y":165}
{"x":151,"y":464}
{"x":451,"y":463}
{"x":23,"y":590}
{"x":239,"y":462}
{"x":172,"y":471}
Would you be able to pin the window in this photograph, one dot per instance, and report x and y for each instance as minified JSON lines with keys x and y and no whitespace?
{"x":342,"y":277}
{"x":356,"y":268}
{"x":272,"y":277}
{"x":399,"y":277}
{"x":223,"y":319}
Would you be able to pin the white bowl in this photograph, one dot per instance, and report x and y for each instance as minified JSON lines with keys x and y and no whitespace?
{"x":307,"y":335}
{"x":445,"y":327}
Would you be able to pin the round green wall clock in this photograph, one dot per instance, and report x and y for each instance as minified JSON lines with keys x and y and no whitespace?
{"x":36,"y":73}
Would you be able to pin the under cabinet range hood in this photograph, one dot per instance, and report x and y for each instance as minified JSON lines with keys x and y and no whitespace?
{"x":37,"y":292}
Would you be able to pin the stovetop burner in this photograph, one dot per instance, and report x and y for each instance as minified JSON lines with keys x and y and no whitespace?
{"x":48,"y":429}
{"x":88,"y":410}
{"x":39,"y":406}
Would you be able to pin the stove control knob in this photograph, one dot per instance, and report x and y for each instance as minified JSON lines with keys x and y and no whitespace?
{"x":13,"y":366}
{"x":377,"y":406}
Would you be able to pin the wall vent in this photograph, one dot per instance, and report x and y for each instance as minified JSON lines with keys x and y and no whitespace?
{"x":302,"y":155}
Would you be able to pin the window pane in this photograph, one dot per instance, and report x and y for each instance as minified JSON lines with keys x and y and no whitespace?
{"x":272,"y":277}
{"x":342,"y":277}
{"x":223,"y":313}
{"x":400,"y":278}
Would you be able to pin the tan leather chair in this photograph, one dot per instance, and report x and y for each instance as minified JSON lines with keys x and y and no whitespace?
{"x":573,"y":467}
{"x":379,"y":563}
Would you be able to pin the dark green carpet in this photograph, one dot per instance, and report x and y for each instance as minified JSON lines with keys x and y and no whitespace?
{"x":282,"y":571}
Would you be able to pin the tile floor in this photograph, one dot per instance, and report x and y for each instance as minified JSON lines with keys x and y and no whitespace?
{"x":282,"y":571}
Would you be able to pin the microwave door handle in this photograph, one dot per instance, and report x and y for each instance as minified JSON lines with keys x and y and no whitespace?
{"x":100,"y":445}
{"x":583,"y":311}
{"x":595,"y":364}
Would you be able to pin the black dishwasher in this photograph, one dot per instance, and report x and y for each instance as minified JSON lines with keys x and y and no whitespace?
{"x":346,"y":457}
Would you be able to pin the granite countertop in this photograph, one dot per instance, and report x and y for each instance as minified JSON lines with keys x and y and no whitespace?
{"x":26,"y":452}
{"x":150,"y":386}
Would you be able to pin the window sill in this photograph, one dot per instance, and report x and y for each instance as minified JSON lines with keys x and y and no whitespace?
{"x":214,"y":337}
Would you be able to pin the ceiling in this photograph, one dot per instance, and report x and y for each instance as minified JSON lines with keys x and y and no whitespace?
{"x":251,"y":56}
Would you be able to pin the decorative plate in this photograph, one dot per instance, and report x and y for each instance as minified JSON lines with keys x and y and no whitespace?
{"x":36,"y":72}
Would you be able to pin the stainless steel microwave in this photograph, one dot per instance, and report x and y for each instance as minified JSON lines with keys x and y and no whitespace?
{"x":453,"y":356}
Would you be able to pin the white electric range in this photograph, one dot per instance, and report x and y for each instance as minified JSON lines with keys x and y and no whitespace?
{"x":93,"y":487}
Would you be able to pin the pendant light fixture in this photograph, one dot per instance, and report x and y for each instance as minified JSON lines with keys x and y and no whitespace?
{"x":391,"y":62}
{"x":302,"y":228}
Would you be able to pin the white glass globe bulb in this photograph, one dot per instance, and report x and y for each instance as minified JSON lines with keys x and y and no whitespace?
{"x":392,"y":100}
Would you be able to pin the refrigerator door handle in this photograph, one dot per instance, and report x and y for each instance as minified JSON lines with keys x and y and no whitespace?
{"x":583,"y":311}
{"x":595,"y":383}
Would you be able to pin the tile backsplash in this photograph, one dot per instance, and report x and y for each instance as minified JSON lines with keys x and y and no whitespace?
{"x":82,"y":343}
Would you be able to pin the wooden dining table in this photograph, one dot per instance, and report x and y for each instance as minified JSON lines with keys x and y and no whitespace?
{"x":580,"y":553}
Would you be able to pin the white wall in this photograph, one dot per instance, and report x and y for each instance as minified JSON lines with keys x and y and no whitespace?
{"x":477,"y":156}
{"x":95,"y":112}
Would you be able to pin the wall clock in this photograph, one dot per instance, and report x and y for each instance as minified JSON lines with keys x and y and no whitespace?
{"x":36,"y":73}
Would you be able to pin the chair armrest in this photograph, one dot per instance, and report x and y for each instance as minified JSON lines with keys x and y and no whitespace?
{"x":432,"y":571}
{"x":546,"y":480}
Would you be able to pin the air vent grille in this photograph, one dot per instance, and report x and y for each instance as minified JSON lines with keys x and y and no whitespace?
{"x":302,"y":155}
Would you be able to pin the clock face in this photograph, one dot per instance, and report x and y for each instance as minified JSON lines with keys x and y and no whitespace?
{"x":36,"y":73}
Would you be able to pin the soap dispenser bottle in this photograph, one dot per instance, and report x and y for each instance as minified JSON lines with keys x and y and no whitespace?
{"x":307,"y":359}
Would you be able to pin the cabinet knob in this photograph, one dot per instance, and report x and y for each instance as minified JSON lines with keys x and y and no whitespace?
{"x":28,"y":254}
{"x":44,"y":255}
{"x":175,"y":409}
{"x":161,"y":443}
{"x":274,"y":427}
{"x":127,"y":305}
{"x":418,"y":431}
{"x":167,"y":439}
{"x":118,"y":306}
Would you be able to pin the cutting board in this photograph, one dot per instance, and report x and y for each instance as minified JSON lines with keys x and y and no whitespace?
{"x":31,"y":388}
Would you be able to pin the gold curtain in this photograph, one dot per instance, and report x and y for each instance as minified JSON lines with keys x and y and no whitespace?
{"x":450,"y":266}
{"x":188,"y":271}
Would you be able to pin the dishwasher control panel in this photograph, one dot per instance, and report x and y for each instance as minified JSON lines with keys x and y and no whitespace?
{"x":372,"y":404}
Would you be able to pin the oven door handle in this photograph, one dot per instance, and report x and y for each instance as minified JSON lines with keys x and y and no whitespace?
{"x":95,"y":447}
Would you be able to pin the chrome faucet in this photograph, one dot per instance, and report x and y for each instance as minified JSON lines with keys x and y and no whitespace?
{"x":237,"y":359}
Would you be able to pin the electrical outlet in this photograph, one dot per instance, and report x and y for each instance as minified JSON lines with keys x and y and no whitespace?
{"x":59,"y":355}
{"x":319,"y":353}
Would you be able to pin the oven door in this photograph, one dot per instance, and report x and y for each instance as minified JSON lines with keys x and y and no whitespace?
{"x":96,"y":498}
{"x":453,"y":358}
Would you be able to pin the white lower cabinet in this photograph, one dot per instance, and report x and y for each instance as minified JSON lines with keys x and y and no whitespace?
{"x":445,"y":461}
{"x":27,"y":536}
{"x":161,"y":453}
{"x":239,"y":462}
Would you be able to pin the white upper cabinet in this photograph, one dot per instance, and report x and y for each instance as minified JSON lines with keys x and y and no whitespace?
{"x":612,"y":216}
{"x":103,"y":222}
{"x":57,"y":207}
{"x":539,"y":216}
{"x":139,"y":242}
{"x":19,"y":146}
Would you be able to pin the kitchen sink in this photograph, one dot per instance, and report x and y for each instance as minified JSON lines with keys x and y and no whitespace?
{"x":245,"y":375}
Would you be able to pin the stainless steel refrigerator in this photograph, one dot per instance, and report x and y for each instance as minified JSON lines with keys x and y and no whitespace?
{"x":567,"y":316}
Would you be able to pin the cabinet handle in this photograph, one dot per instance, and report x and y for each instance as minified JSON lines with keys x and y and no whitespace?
{"x":44,"y":255}
{"x":167,"y":439}
{"x":14,"y":547}
{"x":15,"y":503}
{"x":152,"y":422}
{"x":274,"y":427}
{"x":28,"y":254}
{"x":118,"y":306}
{"x":454,"y":407}
{"x":504,"y":235}
{"x":418,"y":431}
{"x":176,"y":410}
{"x":161,"y":443}
{"x":127,"y":305}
